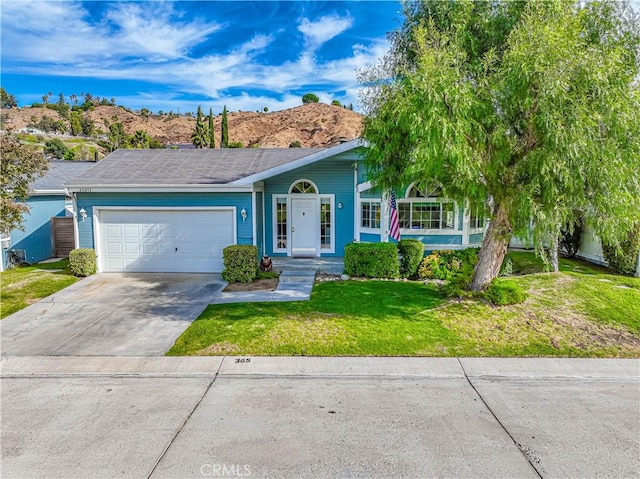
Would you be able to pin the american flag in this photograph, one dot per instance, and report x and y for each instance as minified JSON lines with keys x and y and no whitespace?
{"x":394,"y":229}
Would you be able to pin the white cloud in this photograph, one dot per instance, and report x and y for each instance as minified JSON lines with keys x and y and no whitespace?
{"x":321,"y":31}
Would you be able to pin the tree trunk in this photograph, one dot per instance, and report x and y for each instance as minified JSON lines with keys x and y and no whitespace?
{"x":552,"y":255}
{"x":494,"y":248}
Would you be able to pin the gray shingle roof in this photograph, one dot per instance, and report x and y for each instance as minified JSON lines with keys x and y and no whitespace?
{"x":186,"y":167}
{"x":59,"y":173}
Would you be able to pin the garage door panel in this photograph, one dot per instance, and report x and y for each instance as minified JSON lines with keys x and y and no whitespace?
{"x":165,"y":241}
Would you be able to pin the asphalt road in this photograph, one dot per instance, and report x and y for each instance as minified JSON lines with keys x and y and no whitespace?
{"x":66,"y":417}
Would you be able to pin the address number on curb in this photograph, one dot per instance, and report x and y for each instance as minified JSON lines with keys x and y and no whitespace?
{"x":243,"y":360}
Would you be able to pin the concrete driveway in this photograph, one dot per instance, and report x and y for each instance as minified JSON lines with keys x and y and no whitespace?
{"x":110,"y":315}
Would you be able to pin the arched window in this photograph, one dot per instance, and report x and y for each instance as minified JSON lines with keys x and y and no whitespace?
{"x":303,"y":187}
{"x":423,"y":191}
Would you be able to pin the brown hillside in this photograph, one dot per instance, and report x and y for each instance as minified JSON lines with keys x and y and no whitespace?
{"x":313,"y":125}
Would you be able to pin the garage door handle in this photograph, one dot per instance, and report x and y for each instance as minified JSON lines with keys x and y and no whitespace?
{"x":176,"y":249}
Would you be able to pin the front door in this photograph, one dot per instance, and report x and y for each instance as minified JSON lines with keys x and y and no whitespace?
{"x":304,"y":226}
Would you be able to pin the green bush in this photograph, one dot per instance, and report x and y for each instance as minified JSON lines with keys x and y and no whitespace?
{"x":240,"y":263}
{"x":446,"y":264}
{"x":625,"y":258}
{"x":507,"y":266}
{"x":82,"y":262}
{"x":412,"y":251}
{"x":503,"y":292}
{"x":372,"y":260}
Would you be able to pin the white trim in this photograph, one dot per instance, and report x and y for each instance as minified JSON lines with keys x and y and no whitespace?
{"x":304,"y":161}
{"x":304,"y":180}
{"x":47,"y":193}
{"x":362,"y":229}
{"x":288,"y":199}
{"x":466,"y":218}
{"x":429,"y":199}
{"x":384,"y":217}
{"x":97,"y":244}
{"x":274,"y":222}
{"x":367,"y":185}
{"x":226,"y":188}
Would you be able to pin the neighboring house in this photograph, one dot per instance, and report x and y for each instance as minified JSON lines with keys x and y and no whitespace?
{"x":175,"y":210}
{"x":47,"y":201}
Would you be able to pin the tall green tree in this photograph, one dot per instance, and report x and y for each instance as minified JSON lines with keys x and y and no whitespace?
{"x":20,"y":166}
{"x":7,"y":100}
{"x":200,"y":134}
{"x":212,"y":130}
{"x":139,"y":139}
{"x":224,"y":126}
{"x":526,"y":109}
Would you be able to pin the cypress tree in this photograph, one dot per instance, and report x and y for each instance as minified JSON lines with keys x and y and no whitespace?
{"x":224,"y":138}
{"x":200,"y":134}
{"x":212,"y":133}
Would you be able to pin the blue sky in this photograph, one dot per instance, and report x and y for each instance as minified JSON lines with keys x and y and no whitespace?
{"x":178,"y":55}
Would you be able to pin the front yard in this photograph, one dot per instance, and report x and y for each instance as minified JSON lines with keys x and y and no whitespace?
{"x":21,"y":287}
{"x":581,"y":312}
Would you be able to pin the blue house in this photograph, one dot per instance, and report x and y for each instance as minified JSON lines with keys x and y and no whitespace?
{"x":47,"y":201}
{"x":175,"y":210}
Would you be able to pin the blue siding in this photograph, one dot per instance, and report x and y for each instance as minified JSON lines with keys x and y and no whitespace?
{"x":331,"y":176}
{"x":89,"y":200}
{"x":476,"y":238}
{"x":436,"y":239}
{"x":36,"y":238}
{"x":369,"y":238}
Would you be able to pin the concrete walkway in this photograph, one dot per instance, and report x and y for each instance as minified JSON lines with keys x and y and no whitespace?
{"x":294,"y":285}
{"x":297,"y":417}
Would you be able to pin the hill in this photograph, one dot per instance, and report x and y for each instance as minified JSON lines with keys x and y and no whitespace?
{"x":313,"y":124}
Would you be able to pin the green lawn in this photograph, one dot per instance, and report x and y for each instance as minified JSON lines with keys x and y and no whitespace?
{"x":582,"y":312}
{"x":20,"y":287}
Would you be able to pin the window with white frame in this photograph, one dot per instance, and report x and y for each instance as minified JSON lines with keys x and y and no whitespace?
{"x":476,"y":219}
{"x":281,"y":223}
{"x":325,"y":223}
{"x":423,"y":209}
{"x":370,"y":214}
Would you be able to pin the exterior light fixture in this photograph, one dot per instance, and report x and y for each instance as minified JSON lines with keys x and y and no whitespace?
{"x":83,"y":214}
{"x":243,"y":213}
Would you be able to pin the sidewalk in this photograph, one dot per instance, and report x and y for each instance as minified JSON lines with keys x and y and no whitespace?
{"x":294,"y":285}
{"x":309,"y":417}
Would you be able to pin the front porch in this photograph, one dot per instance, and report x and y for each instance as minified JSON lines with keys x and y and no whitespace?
{"x":323,"y":265}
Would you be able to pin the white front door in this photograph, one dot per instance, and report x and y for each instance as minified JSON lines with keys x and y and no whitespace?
{"x":304,"y":226}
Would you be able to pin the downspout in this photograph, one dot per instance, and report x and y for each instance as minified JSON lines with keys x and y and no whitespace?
{"x":356,"y":223}
{"x":254,"y":225}
{"x":74,"y":202}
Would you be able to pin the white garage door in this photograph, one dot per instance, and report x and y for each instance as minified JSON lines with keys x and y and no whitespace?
{"x":165,"y":241}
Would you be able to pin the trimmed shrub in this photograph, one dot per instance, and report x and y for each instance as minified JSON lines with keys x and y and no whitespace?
{"x":371,"y":260}
{"x":82,"y":262}
{"x":625,"y":258}
{"x":503,"y":292}
{"x":571,"y":238}
{"x":412,"y":252}
{"x":441,"y":264}
{"x":507,"y":266}
{"x":240,"y":263}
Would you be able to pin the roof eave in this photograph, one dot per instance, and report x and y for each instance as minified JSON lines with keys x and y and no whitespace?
{"x":304,"y":161}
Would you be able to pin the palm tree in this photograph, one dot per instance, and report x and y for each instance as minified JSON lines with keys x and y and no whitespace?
{"x":140,"y":139}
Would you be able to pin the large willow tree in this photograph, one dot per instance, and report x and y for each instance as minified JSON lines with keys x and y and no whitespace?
{"x":529,"y":110}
